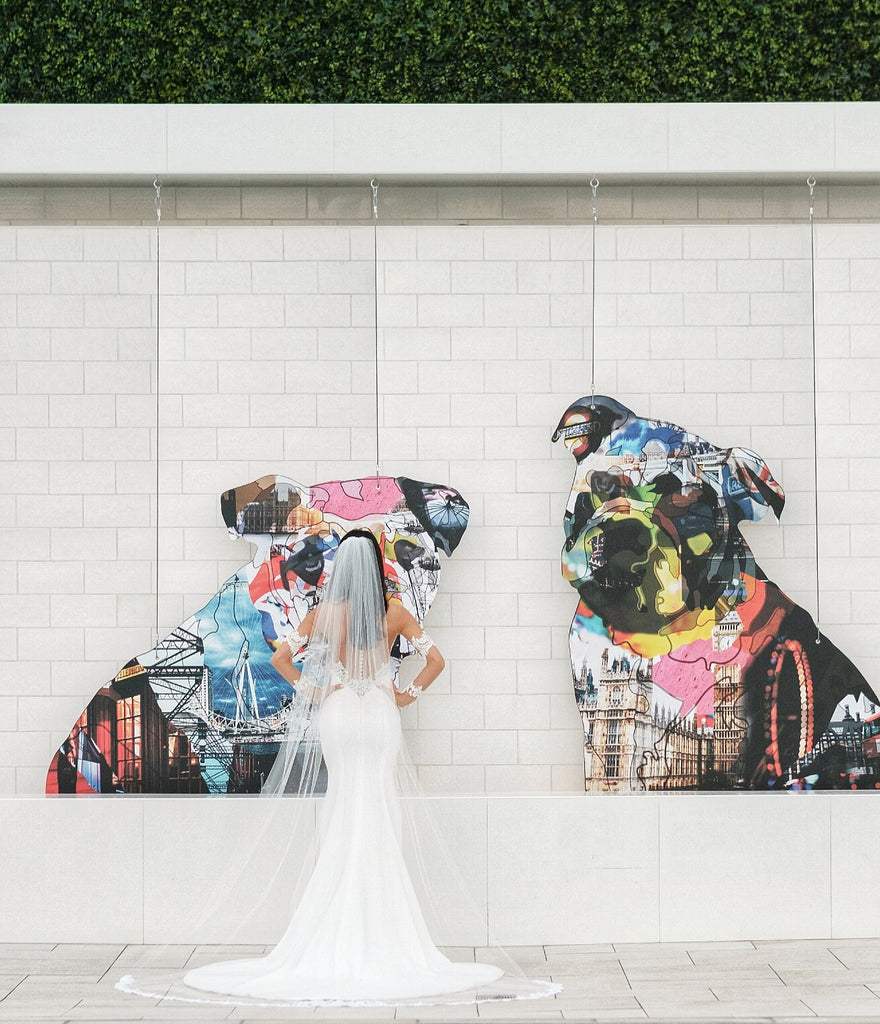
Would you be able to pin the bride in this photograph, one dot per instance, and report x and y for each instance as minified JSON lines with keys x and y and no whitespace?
{"x":358,"y":932}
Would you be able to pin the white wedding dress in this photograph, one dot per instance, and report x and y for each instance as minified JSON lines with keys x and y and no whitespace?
{"x":358,"y":933}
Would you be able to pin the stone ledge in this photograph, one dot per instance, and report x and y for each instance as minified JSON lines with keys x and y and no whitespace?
{"x":439,"y":143}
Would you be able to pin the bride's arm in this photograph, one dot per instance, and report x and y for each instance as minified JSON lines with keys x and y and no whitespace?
{"x":282,"y":659}
{"x":408,"y":626}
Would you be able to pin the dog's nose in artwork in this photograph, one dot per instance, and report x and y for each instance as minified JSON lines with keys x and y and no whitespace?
{"x":204,"y":710}
{"x":691,"y":669}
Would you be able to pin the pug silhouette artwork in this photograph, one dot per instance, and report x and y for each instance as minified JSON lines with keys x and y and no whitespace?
{"x":203,"y":710}
{"x":691,"y":668}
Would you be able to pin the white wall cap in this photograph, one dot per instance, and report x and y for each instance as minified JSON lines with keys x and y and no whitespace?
{"x":439,"y":143}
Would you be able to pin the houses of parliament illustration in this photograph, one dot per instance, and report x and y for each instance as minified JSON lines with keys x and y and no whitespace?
{"x":634,"y":743}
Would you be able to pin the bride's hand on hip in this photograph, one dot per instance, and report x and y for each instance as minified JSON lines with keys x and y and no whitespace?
{"x":402,"y":623}
{"x":403,"y":699}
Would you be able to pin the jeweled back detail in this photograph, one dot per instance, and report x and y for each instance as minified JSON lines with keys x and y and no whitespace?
{"x":360,"y":686}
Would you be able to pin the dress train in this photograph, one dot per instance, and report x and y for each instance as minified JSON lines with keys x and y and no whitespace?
{"x":358,"y":932}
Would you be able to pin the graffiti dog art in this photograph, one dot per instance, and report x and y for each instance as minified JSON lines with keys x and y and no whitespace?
{"x":692,"y":669}
{"x":203,"y":711}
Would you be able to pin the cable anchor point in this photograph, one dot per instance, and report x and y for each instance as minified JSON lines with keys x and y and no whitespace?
{"x":374,"y":185}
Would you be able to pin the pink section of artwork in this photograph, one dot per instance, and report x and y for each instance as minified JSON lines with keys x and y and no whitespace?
{"x":356,"y":499}
{"x":686,"y":673}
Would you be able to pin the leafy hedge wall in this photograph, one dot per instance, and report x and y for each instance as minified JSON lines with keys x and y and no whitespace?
{"x":450,"y":51}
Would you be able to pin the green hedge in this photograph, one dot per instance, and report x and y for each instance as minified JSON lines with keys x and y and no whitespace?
{"x":448,"y":51}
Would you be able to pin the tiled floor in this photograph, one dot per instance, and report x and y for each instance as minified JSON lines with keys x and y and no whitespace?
{"x":794,"y":981}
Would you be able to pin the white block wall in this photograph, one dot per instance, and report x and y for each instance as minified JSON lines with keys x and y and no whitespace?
{"x":267,"y":366}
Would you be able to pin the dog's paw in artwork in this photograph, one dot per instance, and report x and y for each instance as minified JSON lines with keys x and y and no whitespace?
{"x":691,"y":668}
{"x":204,"y":710}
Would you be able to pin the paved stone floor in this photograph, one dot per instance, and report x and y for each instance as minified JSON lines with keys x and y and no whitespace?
{"x":794,"y":981}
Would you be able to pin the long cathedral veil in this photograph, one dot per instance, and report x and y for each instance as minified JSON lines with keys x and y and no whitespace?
{"x":270,"y":863}
{"x":349,"y":638}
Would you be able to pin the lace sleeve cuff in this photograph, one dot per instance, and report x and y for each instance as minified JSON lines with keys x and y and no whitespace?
{"x":296,"y":642}
{"x":422,"y":644}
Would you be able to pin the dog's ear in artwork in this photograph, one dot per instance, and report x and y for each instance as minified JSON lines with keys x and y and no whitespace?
{"x":440,"y":509}
{"x":753,"y":474}
{"x":587,"y":424}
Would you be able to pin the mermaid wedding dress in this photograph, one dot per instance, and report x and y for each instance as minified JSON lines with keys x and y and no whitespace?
{"x":358,"y":932}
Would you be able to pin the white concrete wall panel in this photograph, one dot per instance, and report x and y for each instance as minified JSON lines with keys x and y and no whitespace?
{"x":267,"y":345}
{"x":536,"y":868}
{"x":266,"y":366}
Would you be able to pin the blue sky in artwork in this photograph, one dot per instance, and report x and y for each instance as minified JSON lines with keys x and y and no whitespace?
{"x":636,"y":434}
{"x":224,"y":623}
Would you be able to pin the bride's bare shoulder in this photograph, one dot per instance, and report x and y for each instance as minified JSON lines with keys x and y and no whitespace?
{"x":399,"y":620}
{"x":392,"y":615}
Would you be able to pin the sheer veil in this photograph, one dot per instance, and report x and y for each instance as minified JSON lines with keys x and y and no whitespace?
{"x":350,"y":638}
{"x":270,"y":860}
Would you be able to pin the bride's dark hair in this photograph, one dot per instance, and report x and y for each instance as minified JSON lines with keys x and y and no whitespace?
{"x":380,"y":561}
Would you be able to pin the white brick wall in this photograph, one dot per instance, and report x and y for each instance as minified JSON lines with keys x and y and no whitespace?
{"x":267,"y":345}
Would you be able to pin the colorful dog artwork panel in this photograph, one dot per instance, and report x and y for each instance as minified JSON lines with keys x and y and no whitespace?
{"x":204,"y":710}
{"x":691,"y":669}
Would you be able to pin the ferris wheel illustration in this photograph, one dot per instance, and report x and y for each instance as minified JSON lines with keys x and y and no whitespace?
{"x":219,"y":708}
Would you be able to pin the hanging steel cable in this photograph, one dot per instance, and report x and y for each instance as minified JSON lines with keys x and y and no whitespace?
{"x":811,"y":184}
{"x":594,"y":187}
{"x":157,"y":186}
{"x":374,"y":185}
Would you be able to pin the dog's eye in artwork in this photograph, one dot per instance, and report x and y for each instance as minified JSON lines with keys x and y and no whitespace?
{"x":204,"y":710}
{"x":691,"y":669}
{"x":407,"y":553}
{"x":304,"y":560}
